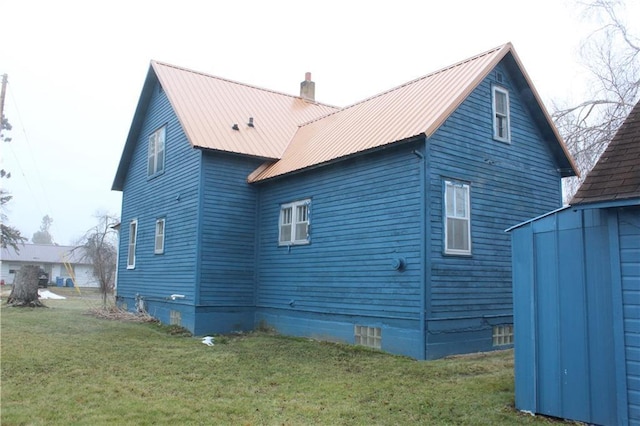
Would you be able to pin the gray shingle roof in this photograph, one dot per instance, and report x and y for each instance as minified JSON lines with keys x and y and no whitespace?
{"x":43,"y":253}
{"x":616,"y":176}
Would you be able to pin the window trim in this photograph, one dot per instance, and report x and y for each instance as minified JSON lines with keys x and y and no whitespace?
{"x":160,"y":250}
{"x":507,"y":116}
{"x":294,"y":222}
{"x":467,"y":218}
{"x":132,"y":243}
{"x":154,"y":141}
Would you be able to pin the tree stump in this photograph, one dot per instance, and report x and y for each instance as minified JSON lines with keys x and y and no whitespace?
{"x":25,"y":288}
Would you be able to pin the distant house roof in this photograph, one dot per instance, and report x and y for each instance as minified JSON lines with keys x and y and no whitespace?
{"x":43,"y":253}
{"x":616,"y":175}
{"x":294,"y":134}
{"x":418,"y":107}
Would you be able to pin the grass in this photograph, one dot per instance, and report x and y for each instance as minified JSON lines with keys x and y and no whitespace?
{"x":61,"y":366}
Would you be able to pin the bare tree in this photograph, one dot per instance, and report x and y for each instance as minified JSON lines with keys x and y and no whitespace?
{"x":99,"y":247}
{"x":611,"y":55}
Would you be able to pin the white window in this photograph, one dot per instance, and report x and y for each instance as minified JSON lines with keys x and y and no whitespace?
{"x":294,"y":223}
{"x":133,"y":235}
{"x":156,"y":152}
{"x":457,"y":224}
{"x":159,"y":246}
{"x":502,"y":335}
{"x":501,"y":120}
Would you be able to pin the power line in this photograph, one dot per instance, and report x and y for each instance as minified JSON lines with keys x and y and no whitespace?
{"x":43,"y":193}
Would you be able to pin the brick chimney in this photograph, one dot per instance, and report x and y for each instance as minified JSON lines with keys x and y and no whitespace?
{"x":308,"y":88}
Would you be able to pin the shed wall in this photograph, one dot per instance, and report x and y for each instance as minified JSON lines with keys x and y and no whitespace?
{"x":576,"y":287}
{"x":629,"y":232}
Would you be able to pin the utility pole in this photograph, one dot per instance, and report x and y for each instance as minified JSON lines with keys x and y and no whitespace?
{"x":2,"y":95}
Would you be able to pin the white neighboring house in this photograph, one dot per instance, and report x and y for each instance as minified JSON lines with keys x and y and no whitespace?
{"x":51,"y":258}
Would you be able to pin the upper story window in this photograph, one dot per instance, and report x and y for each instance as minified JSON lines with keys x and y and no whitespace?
{"x":457,"y":224}
{"x":294,"y":223}
{"x":501,"y":116}
{"x":156,"y":152}
{"x":159,"y":240}
{"x":133,"y":235}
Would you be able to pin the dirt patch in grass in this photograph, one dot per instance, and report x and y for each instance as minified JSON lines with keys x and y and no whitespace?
{"x":116,"y":314}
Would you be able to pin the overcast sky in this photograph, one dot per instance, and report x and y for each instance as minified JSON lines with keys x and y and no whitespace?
{"x":76,"y":70}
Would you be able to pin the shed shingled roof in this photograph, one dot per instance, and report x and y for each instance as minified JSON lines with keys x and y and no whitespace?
{"x":616,"y":175}
{"x":418,"y":107}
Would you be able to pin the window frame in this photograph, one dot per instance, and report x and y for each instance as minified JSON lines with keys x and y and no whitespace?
{"x":156,"y":139}
{"x":294,"y":222}
{"x":467,"y":217}
{"x":132,"y":243}
{"x":160,"y":250}
{"x":506,"y":115}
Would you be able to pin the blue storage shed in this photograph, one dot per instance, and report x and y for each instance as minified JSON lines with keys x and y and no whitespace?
{"x":576,"y":292}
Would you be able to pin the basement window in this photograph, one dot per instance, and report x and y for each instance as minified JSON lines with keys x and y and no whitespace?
{"x":503,"y":335}
{"x":370,"y":337}
{"x":175,"y":317}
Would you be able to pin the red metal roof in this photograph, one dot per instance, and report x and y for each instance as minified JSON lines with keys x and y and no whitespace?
{"x":208,"y":107}
{"x":416,"y":108}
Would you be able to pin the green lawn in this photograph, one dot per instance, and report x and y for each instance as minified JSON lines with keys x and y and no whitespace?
{"x":61,"y":366}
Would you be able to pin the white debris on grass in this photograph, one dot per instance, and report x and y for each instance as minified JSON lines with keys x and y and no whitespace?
{"x":46,"y":294}
{"x":207,"y":340}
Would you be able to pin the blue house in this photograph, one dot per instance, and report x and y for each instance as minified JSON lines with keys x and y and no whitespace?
{"x":379,"y":224}
{"x":576,"y":278}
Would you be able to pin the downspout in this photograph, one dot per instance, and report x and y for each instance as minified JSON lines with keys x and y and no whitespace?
{"x":425,"y":232}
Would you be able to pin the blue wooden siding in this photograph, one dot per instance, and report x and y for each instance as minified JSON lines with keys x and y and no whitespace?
{"x":629,"y":230}
{"x":227,"y":236}
{"x":509,"y":183}
{"x":173,"y":195}
{"x":365,"y":213}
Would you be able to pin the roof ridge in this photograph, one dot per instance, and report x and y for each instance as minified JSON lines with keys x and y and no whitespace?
{"x":228,"y":80}
{"x":431,"y":74}
{"x":47,"y":245}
